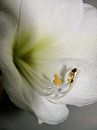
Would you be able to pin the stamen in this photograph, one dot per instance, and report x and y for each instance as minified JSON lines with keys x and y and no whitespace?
{"x":64,"y":87}
{"x":71,"y":76}
{"x":57,"y":81}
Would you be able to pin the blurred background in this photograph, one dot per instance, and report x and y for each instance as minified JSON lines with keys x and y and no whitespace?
{"x":12,"y":118}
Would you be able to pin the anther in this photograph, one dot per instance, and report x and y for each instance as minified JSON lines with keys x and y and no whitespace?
{"x":57,"y":81}
{"x":71,"y":76}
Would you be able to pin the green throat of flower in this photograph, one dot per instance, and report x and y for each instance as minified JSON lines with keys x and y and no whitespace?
{"x":26,"y":49}
{"x":26,"y":57}
{"x":26,"y":52}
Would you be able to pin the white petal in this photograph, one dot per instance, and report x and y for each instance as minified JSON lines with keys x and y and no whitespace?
{"x":7,"y":25}
{"x":83,"y":44}
{"x":84,"y":88}
{"x":88,"y":25}
{"x":6,"y":60}
{"x":58,"y":16}
{"x":7,"y":29}
{"x":21,"y":93}
{"x":87,"y":45}
{"x":46,"y":111}
{"x":25,"y":97}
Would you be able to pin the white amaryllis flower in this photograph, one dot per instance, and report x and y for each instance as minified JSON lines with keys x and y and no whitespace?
{"x":48,"y":51}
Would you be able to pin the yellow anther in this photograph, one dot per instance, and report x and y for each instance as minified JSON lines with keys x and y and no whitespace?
{"x":57,"y":81}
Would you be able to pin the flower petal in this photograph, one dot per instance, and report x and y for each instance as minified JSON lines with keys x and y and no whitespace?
{"x":7,"y":25}
{"x":22,"y":95}
{"x":84,"y":88}
{"x":88,"y":25}
{"x":83,"y":44}
{"x":19,"y":90}
{"x":47,"y":16}
{"x":87,"y":44}
{"x":46,"y":111}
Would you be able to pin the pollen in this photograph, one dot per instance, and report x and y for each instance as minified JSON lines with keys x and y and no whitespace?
{"x":57,"y":81}
{"x":71,"y":76}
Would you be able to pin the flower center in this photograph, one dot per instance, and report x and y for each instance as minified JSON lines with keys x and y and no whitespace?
{"x":26,"y":54}
{"x":63,"y":87}
{"x":70,"y":78}
{"x":28,"y":49}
